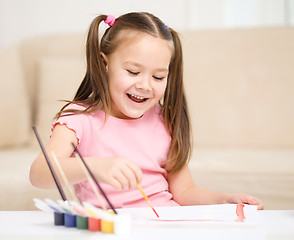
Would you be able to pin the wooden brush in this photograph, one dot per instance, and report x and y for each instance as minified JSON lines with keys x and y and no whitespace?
{"x":70,"y":188}
{"x":89,"y":172}
{"x":50,"y":166}
{"x":92,"y":183}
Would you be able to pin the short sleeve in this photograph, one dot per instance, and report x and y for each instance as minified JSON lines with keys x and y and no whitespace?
{"x":72,"y":122}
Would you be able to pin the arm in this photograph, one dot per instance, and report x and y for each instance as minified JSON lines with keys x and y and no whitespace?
{"x":186,"y":192}
{"x":118,"y":172}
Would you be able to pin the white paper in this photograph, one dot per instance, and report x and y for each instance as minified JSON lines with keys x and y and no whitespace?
{"x":220,"y":213}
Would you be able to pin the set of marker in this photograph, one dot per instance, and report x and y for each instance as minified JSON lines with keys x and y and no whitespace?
{"x":74,"y":215}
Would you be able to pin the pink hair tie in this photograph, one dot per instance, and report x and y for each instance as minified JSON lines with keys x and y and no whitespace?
{"x":110,"y":20}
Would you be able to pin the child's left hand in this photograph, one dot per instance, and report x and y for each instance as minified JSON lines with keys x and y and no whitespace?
{"x":244,"y":198}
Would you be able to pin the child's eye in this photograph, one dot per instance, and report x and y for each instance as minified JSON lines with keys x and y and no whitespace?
{"x":133,"y":73}
{"x":158,"y":78}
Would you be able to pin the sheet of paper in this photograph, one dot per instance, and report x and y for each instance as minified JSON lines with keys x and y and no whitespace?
{"x":221,"y":213}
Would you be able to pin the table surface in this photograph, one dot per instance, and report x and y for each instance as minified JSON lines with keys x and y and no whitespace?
{"x":270,"y":224}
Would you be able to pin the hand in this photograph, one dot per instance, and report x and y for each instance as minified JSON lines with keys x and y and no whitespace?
{"x":240,"y":198}
{"x":118,"y":172}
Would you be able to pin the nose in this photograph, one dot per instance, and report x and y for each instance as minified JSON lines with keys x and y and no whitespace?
{"x":144,"y":83}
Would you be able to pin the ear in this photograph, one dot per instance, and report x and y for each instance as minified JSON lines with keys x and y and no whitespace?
{"x":105,"y":60}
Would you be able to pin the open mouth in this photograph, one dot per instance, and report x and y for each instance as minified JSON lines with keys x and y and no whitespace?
{"x":136,"y":99}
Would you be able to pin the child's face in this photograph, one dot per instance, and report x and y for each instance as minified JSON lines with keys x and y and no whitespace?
{"x":137,"y":73}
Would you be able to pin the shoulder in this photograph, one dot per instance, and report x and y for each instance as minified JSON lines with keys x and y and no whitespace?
{"x":74,"y":107}
{"x":79,"y":122}
{"x":80,"y":113}
{"x":72,"y":113}
{"x":77,"y":111}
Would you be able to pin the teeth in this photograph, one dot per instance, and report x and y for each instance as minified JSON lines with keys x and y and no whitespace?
{"x":140,"y":98}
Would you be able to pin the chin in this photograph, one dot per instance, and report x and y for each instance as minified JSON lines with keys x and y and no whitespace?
{"x":133,"y":114}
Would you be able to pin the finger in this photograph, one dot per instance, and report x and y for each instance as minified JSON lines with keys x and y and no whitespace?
{"x":108,"y":178}
{"x":130,"y":175}
{"x":136,"y":170}
{"x":252,"y":201}
{"x":255,"y":201}
{"x":260,"y":206}
{"x":122,"y":179}
{"x":115,"y":184}
{"x":236,"y":198}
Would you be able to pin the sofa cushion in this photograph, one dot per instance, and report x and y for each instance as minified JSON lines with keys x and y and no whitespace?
{"x":59,"y":80}
{"x":17,"y":192}
{"x":71,"y":45}
{"x":264,"y":173}
{"x":14,"y":107}
{"x":240,"y":85}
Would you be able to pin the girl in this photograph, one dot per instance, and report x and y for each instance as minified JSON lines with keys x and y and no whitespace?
{"x":129,"y":119}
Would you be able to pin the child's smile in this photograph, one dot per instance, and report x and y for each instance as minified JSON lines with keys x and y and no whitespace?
{"x":137,"y":73}
{"x":137,"y":99}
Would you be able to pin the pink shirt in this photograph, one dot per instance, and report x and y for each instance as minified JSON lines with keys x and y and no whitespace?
{"x":144,"y":141}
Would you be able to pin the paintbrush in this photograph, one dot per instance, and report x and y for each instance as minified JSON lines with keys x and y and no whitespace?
{"x":92,"y":183}
{"x":50,"y":166}
{"x":89,"y":172}
{"x":70,"y":188}
{"x":147,"y":199}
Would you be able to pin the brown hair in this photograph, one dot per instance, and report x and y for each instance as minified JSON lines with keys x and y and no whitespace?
{"x":94,"y":89}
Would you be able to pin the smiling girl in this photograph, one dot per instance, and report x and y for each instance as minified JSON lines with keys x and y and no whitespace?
{"x":130,"y":121}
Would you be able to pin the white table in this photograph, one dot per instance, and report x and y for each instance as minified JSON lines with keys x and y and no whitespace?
{"x":271,"y":224}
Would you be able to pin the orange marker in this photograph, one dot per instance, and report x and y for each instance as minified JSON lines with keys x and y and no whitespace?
{"x":147,"y":199}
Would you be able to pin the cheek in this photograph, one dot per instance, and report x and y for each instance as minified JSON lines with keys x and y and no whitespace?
{"x":161,"y":89}
{"x":116,"y":82}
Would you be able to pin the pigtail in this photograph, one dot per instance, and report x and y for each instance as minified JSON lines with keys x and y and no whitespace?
{"x":92,"y":92}
{"x":175,"y":111}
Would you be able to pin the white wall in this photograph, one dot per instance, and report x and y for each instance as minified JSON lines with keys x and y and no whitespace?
{"x":21,"y":19}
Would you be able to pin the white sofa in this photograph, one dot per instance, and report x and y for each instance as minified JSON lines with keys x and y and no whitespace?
{"x":239,"y":86}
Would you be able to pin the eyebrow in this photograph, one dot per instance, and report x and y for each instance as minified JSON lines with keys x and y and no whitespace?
{"x":139,"y":65}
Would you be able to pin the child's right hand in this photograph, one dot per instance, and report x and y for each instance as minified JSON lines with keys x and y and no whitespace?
{"x":118,"y":172}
